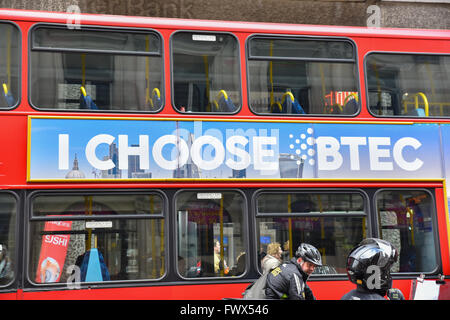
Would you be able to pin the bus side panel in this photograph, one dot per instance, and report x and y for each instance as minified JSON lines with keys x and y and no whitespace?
{"x":172,"y":292}
{"x":13,"y":158}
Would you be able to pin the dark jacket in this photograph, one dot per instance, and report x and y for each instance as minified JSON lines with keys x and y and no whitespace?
{"x":362,"y":294}
{"x":288,"y":281}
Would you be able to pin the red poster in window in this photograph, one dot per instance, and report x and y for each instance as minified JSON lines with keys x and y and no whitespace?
{"x":53,"y":251}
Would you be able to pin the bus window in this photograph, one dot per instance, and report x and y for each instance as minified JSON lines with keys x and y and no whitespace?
{"x":406,"y":220}
{"x":8,"y":209}
{"x":332,"y":222}
{"x":302,"y":76}
{"x":96,"y":237}
{"x":206,"y":76}
{"x":96,"y":69}
{"x":408,"y":85}
{"x":9,"y":65}
{"x":210,"y":234}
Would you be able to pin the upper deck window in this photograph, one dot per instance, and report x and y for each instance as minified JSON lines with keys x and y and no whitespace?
{"x":408,"y":85}
{"x":9,"y":65}
{"x":96,"y":69}
{"x":206,"y":75}
{"x":302,"y":76}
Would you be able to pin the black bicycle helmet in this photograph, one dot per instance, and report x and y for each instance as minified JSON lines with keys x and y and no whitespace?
{"x":371,"y":252}
{"x":309,"y":253}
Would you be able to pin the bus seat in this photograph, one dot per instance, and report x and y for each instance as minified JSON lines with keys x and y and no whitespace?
{"x":289,"y":103}
{"x":276,"y":107}
{"x":86,"y":101}
{"x":351,"y":107}
{"x":93,"y":267}
{"x":155,"y":101}
{"x":419,"y":112}
{"x":224,"y":103}
{"x":10,"y":101}
{"x":297,"y":108}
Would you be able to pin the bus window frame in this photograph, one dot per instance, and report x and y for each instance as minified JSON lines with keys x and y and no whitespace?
{"x":275,"y":36}
{"x":366,"y":82}
{"x":19,"y":65}
{"x":239,"y":57}
{"x":367,"y":215}
{"x":29,"y":219}
{"x":98,"y":28}
{"x":245,"y":237}
{"x":11,"y":286}
{"x":434,"y":217}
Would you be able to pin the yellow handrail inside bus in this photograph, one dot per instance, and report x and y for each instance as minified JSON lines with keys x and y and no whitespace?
{"x":288,"y":93}
{"x":5,"y":88}
{"x":158,"y":93}
{"x":83,"y":91}
{"x":221,"y":93}
{"x":354,"y":95}
{"x":416,"y":102}
{"x":277,"y":104}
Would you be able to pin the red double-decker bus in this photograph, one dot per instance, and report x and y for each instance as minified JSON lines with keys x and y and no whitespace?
{"x":152,"y":158}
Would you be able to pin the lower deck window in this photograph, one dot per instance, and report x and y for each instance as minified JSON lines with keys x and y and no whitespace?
{"x":8,"y":208}
{"x":333,"y":223}
{"x":210,"y":234}
{"x":406,"y":220}
{"x":96,"y":238}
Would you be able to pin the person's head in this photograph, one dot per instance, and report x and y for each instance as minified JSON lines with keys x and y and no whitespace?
{"x":3,"y":252}
{"x":308,"y":257}
{"x":274,"y":249}
{"x":216,"y":246}
{"x":369,"y":264}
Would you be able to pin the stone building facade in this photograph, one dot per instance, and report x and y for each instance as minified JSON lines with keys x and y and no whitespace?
{"x":425,"y":14}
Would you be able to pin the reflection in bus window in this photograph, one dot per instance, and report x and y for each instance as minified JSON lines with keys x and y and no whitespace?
{"x":9,"y":65}
{"x":126,"y":244}
{"x":408,"y":85}
{"x":206,"y":76}
{"x":210,"y":234}
{"x":8,"y":208}
{"x":406,"y":220}
{"x":299,"y":76}
{"x":332,"y":222}
{"x":96,"y":70}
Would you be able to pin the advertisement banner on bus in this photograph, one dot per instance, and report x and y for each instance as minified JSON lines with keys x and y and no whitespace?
{"x":69,"y":149}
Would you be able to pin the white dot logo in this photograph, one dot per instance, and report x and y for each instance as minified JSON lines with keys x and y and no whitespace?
{"x":303,"y":145}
